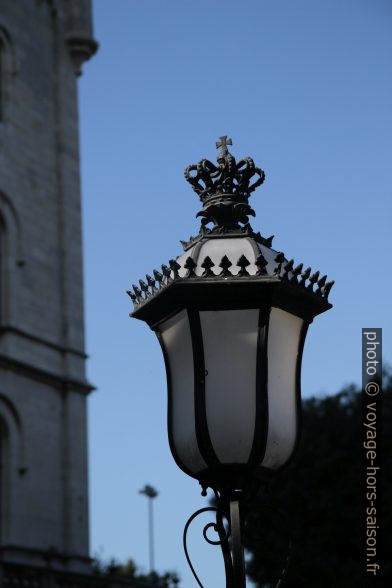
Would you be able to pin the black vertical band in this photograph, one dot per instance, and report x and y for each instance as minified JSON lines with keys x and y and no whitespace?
{"x":202,"y":434}
{"x":298,"y":406}
{"x":261,"y":390}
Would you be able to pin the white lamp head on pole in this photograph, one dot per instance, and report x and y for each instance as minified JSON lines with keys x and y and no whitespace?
{"x":231,"y":315}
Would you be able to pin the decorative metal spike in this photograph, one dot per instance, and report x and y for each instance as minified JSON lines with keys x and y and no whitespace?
{"x":296,"y":272}
{"x":321,"y":284}
{"x":132,"y":296}
{"x":158,"y":277}
{"x":261,"y":264}
{"x":225,"y":264}
{"x":144,"y":288}
{"x":327,"y":288}
{"x":312,"y":280}
{"x":243,"y":263}
{"x":279,"y":259}
{"x":288,"y":268}
{"x":151,"y":283}
{"x":190,"y":265}
{"x":138,"y":293}
{"x":183,"y":243}
{"x":166,"y":271}
{"x":268,"y":242}
{"x":174,"y":266}
{"x":305,"y":275}
{"x":207,"y":265}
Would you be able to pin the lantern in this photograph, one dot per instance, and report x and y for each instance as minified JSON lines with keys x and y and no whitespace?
{"x":231,"y":314}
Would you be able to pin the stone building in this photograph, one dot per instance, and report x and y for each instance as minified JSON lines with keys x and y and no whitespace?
{"x":43,"y":386}
{"x":44,"y":540}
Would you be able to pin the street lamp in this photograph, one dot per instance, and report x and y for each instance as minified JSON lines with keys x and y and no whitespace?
{"x":151,"y":493}
{"x":231,"y":315}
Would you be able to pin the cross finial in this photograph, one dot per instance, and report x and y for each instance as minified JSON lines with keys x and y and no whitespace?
{"x":223,"y":142}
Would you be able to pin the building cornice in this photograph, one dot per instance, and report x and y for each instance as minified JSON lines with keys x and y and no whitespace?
{"x":4,"y":329}
{"x":61,"y":383}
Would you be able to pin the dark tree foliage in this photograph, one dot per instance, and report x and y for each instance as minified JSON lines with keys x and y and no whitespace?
{"x":127,"y":574}
{"x":317,"y":500}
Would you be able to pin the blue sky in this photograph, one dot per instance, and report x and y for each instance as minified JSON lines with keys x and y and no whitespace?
{"x":303,"y":87}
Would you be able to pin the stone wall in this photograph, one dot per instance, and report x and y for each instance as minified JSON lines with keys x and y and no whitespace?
{"x":43,"y":386}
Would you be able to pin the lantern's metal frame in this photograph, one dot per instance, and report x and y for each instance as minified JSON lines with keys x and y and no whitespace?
{"x":224,"y":191}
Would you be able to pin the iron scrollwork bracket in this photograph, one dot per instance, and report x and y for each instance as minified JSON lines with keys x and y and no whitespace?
{"x":229,"y":541}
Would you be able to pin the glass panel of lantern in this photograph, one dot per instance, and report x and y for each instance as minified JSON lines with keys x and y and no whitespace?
{"x":233,"y":383}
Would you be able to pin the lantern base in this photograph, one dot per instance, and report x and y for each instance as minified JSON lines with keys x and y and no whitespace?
{"x":231,"y":480}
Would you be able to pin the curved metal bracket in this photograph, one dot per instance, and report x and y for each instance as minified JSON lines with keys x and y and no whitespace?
{"x":232,"y":550}
{"x":230,"y":540}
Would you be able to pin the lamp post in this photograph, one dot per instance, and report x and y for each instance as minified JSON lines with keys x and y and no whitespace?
{"x":231,"y":315}
{"x":151,"y":493}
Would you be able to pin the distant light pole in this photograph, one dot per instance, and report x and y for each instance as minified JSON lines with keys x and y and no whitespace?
{"x":151,"y":493}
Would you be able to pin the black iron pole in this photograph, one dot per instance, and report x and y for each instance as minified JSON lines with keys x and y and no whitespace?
{"x":237,"y":548}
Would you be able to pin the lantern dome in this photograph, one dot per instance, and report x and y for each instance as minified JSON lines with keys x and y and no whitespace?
{"x":231,"y":314}
{"x":248,"y":248}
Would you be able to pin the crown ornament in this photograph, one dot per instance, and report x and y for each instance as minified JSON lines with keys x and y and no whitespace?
{"x":225,"y":189}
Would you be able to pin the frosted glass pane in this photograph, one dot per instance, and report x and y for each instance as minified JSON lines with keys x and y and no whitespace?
{"x":283,"y":341}
{"x":177,"y":341}
{"x":230,"y":350}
